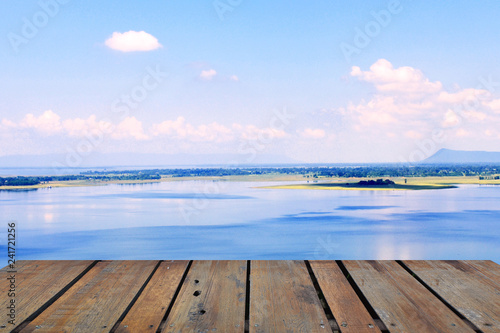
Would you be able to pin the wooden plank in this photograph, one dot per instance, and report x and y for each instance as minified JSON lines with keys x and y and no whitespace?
{"x":487,"y":268}
{"x":402,"y":303}
{"x":212,"y":298}
{"x":148,"y":311}
{"x":36,"y":282}
{"x":97,"y":300}
{"x":347,"y":308}
{"x":470,"y":292}
{"x":283,"y":299}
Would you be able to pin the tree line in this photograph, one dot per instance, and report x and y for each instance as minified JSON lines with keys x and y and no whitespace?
{"x":361,"y":171}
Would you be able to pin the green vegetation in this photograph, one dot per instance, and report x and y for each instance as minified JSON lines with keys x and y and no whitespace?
{"x":347,"y":171}
{"x":378,"y":182}
{"x":36,"y":180}
{"x":19,"y":181}
{"x":443,"y":173}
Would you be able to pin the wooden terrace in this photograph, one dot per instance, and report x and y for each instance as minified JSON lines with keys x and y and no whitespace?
{"x":252,"y":296}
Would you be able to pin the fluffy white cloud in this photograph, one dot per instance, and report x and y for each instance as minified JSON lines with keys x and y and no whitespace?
{"x":48,"y":123}
{"x":408,"y":108}
{"x":7,"y":123}
{"x":397,"y":107}
{"x":179,"y":129}
{"x":129,"y":127}
{"x":310,"y":133}
{"x":493,"y":105}
{"x":132,"y":41}
{"x":208,"y":74}
{"x":406,"y":79}
{"x":234,"y":78}
{"x":463,"y":96}
{"x":79,"y":127}
{"x":450,"y":119}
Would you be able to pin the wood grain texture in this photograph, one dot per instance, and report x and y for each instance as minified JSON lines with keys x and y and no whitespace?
{"x":97,"y":300}
{"x":36,"y":282}
{"x":403,"y":304}
{"x":148,"y":311}
{"x":470,"y":292}
{"x":347,"y":308}
{"x":488,"y":268}
{"x":283,"y":299}
{"x":212,"y":298}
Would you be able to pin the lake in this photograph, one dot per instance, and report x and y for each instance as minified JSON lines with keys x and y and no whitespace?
{"x":236,"y":220}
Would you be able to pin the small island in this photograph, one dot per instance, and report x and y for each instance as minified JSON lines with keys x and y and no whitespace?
{"x":371,"y":184}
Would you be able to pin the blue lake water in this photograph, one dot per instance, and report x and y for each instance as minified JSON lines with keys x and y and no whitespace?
{"x":236,"y":220}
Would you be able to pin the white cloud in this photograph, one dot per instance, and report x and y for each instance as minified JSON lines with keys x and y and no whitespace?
{"x":310,"y":133}
{"x":450,"y":119}
{"x":179,"y":129}
{"x":48,"y":123}
{"x":410,"y":108}
{"x":234,"y":78}
{"x":493,"y":105}
{"x":79,"y":127}
{"x":132,"y":41}
{"x":7,"y":123}
{"x":462,"y":96}
{"x":381,"y":110}
{"x":208,"y":74}
{"x":129,"y":127}
{"x":406,"y":79}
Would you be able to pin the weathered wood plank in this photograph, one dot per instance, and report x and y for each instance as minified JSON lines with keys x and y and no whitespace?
{"x":403,"y":304}
{"x":212,"y":298}
{"x":283,"y":299}
{"x":36,"y":282}
{"x":148,"y":311}
{"x":470,"y":292}
{"x":347,"y":308}
{"x":487,"y":268}
{"x":97,"y":300}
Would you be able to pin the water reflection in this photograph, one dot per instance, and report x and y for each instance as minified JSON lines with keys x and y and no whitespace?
{"x":178,"y":220}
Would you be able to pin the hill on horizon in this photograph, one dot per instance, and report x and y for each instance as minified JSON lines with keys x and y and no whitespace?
{"x":449,"y":156}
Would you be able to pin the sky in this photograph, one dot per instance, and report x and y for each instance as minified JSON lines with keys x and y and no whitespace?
{"x":319,"y":82}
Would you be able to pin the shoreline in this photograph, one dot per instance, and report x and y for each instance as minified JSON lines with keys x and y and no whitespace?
{"x":323,"y":183}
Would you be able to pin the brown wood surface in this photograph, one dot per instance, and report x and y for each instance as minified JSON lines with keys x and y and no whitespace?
{"x":97,"y":300}
{"x":212,"y":298}
{"x":487,"y":268}
{"x":36,"y":282}
{"x":148,"y":311}
{"x":403,"y":304}
{"x":470,"y":292}
{"x":283,"y":299}
{"x":348,"y":310}
{"x":282,"y":296}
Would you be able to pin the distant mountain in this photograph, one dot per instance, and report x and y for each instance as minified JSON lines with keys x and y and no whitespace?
{"x":448,"y":156}
{"x":74,"y":160}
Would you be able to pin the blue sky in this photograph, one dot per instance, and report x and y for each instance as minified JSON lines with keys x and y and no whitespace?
{"x":423,"y":76}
